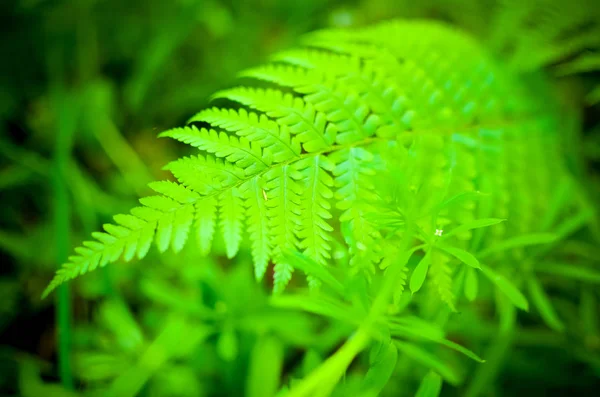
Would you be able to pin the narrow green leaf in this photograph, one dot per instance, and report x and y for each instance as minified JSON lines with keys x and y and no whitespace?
{"x":392,"y":255}
{"x":429,"y":360}
{"x":431,"y":385}
{"x":471,"y":284}
{"x":520,"y":241}
{"x":266,"y":362}
{"x":461,"y":349}
{"x":476,"y":224}
{"x":544,"y":306}
{"x":175,"y":339}
{"x":418,"y":275}
{"x":163,"y":293}
{"x":422,"y":330}
{"x":115,"y":315}
{"x":461,"y":255}
{"x":574,"y":223}
{"x":563,"y":192}
{"x":573,"y":271}
{"x":317,"y":305}
{"x":381,"y":369}
{"x":507,"y":287}
{"x":416,"y":327}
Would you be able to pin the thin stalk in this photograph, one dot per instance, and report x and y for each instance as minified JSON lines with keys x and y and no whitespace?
{"x":62,"y":230}
{"x":123,"y":156}
{"x":324,"y":378}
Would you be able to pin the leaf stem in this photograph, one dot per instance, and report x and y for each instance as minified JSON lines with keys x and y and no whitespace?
{"x":322,"y":380}
{"x":62,"y":218}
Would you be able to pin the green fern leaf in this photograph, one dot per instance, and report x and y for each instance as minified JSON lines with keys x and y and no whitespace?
{"x":441,"y":274}
{"x":231,"y":214}
{"x":415,"y":97}
{"x":283,"y":202}
{"x":206,"y":215}
{"x":258,"y":227}
{"x":353,"y":168}
{"x":314,"y":230}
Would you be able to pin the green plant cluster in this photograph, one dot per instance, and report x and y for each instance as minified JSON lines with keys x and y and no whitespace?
{"x":398,"y":209}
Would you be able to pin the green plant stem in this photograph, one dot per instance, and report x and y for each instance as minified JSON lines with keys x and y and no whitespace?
{"x":322,"y":380}
{"x":123,"y":156}
{"x":62,"y":218}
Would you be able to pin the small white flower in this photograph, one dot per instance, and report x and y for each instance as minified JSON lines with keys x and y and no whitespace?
{"x":438,"y":232}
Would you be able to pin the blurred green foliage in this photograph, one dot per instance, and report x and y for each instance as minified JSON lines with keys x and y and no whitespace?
{"x":85,"y":87}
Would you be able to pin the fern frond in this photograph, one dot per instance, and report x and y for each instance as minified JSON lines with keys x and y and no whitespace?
{"x":206,"y":216}
{"x":258,"y":227}
{"x":441,"y":271}
{"x":161,"y":219}
{"x":231,"y":215}
{"x":354,"y":191}
{"x":283,"y":191}
{"x":314,"y":230}
{"x":413,"y":96}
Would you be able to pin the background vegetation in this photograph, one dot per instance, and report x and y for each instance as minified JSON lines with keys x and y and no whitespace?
{"x":86,"y":86}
